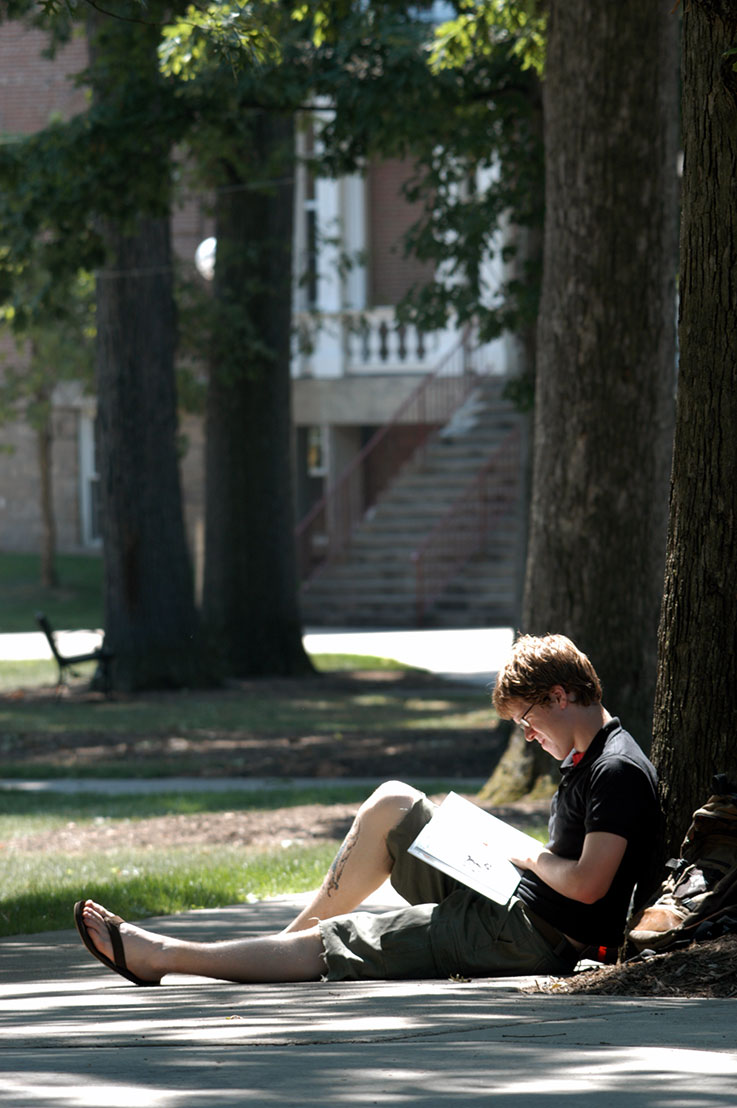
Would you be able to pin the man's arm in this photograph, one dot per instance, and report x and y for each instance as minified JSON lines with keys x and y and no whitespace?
{"x":587,"y":878}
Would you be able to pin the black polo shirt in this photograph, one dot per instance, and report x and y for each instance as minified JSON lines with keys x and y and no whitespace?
{"x":612,"y":788}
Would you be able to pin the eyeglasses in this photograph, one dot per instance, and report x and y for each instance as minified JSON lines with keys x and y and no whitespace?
{"x":523,"y":721}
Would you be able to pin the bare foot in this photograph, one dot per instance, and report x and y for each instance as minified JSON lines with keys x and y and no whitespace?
{"x":144,"y":951}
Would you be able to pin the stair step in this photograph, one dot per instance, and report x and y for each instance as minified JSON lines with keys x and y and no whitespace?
{"x":374,"y":583}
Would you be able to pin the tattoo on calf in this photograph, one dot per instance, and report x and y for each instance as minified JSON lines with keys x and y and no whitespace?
{"x":340,"y":861}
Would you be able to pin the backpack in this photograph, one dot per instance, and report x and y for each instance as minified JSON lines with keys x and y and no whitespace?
{"x":698,"y":898}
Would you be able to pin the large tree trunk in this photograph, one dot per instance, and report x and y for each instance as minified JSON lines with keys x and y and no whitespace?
{"x":151,"y":624}
{"x":696,"y":702}
{"x":605,"y":347}
{"x":250,"y":587}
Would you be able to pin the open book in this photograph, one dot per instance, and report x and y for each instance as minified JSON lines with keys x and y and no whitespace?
{"x":473,"y":846}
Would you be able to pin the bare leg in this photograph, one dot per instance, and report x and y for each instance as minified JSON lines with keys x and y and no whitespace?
{"x":361,"y":865}
{"x":363,"y":862}
{"x":272,"y":958}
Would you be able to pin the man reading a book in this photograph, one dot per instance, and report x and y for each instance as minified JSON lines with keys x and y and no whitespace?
{"x":573,"y":895}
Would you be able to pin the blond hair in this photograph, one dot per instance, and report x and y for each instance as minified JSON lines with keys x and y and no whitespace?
{"x":536,"y":664}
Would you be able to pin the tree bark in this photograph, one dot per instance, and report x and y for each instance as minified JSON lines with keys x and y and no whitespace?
{"x":45,"y":445}
{"x":250,"y":586}
{"x":605,"y":345}
{"x":695,"y":707}
{"x":151,"y":624}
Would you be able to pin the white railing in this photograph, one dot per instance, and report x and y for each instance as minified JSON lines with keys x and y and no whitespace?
{"x":373,"y":341}
{"x":376,"y":341}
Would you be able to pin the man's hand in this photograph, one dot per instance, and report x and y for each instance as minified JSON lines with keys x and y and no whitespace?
{"x":587,"y":878}
{"x":530,"y":861}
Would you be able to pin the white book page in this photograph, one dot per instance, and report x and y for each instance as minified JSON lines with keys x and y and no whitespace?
{"x":473,"y":846}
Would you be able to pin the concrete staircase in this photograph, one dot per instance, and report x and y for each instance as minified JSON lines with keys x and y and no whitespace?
{"x":374,"y":583}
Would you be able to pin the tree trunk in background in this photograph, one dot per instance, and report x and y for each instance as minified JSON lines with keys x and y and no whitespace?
{"x":151,"y":624}
{"x":250,"y":602}
{"x":44,"y":443}
{"x":605,"y":350}
{"x":696,"y":702}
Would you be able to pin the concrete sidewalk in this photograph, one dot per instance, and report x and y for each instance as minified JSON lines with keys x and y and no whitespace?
{"x":73,"y":1034}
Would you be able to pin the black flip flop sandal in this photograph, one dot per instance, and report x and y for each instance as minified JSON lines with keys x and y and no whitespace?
{"x":117,"y":963}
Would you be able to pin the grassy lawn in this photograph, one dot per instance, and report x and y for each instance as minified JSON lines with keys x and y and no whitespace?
{"x":192,"y":732}
{"x":319,"y":710}
{"x":15,"y":675}
{"x":75,"y":603}
{"x":32,"y":674}
{"x":39,"y":891}
{"x":302,"y":726}
{"x":149,"y":736}
{"x":45,"y":737}
{"x":40,"y":886}
{"x":26,"y":812}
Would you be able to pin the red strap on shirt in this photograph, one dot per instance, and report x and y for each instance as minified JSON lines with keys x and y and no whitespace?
{"x":577,"y":756}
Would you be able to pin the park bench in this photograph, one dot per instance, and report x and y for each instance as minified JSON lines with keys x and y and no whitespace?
{"x":100,"y":655}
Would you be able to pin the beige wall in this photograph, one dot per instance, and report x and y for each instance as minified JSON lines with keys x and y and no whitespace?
{"x":20,"y":509}
{"x":350,"y":400}
{"x":345,"y":405}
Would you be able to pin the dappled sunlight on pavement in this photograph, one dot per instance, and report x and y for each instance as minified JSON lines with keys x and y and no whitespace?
{"x":411,"y":1074}
{"x":73,"y":1035}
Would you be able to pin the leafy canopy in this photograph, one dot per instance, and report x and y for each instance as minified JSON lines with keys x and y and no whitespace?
{"x":458,"y":101}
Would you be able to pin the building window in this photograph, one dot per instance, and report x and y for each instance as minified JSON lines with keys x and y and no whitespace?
{"x":309,"y":235}
{"x":310,"y":258}
{"x":89,"y":481}
{"x":316,"y":454}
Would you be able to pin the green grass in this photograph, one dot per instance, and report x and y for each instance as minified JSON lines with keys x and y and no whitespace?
{"x":39,"y":890}
{"x":176,"y":732}
{"x":316,"y":710}
{"x":334,"y":663}
{"x":33,"y":674}
{"x":26,"y":812}
{"x":19,"y":675}
{"x":48,"y":737}
{"x":75,"y":603}
{"x":29,"y":811}
{"x":40,"y":887}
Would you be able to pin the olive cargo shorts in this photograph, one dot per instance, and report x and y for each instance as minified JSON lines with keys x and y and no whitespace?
{"x":447,"y":928}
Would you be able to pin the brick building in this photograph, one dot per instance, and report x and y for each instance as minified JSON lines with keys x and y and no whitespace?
{"x":360,"y":366}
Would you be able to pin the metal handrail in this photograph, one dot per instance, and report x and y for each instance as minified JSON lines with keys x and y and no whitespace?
{"x":464,"y":530}
{"x":325,"y":533}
